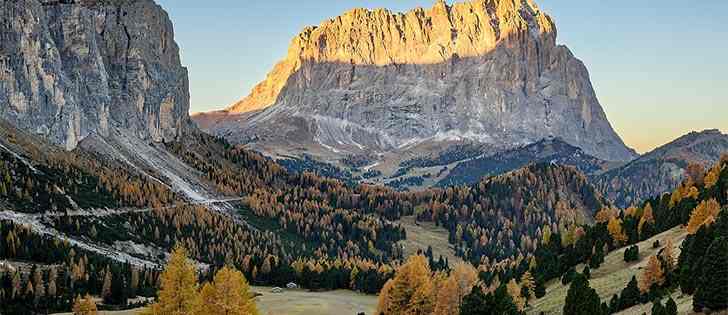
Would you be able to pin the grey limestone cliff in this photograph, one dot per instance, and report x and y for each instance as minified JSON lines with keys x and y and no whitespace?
{"x":486,"y":71}
{"x":72,"y":68}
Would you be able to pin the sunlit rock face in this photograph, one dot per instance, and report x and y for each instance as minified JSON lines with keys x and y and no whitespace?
{"x":69,"y":69}
{"x":486,"y":71}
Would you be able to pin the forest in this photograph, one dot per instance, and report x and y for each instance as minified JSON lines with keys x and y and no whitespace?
{"x":515,"y":231}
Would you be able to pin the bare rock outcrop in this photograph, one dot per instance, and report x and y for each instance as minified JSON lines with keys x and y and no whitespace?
{"x":487,"y":71}
{"x":73,"y":68}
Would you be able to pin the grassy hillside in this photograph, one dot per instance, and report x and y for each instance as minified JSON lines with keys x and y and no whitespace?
{"x":612,"y":276}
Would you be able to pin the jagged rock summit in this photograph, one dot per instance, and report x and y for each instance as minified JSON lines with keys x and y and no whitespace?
{"x":485,"y":71}
{"x":73,"y":68}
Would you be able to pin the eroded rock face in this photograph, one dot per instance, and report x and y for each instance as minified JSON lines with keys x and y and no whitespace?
{"x":71,"y":69}
{"x":487,"y":71}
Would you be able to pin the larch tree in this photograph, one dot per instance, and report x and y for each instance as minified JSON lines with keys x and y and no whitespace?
{"x":651,"y":275}
{"x":84,"y":306}
{"x":229,"y":294}
{"x":668,"y":256}
{"x":615,"y":231}
{"x":704,"y":214}
{"x":529,"y":283}
{"x":454,"y":289}
{"x":647,"y":218}
{"x":514,"y":290}
{"x":178,"y":292}
{"x":406,"y":292}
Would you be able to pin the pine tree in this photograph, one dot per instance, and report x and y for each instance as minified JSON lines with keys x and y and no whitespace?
{"x":712,"y":290}
{"x":582,"y":299}
{"x":496,"y":303}
{"x":630,"y":296}
{"x":657,"y":308}
{"x":177,"y":295}
{"x":670,"y":307}
{"x":84,"y":306}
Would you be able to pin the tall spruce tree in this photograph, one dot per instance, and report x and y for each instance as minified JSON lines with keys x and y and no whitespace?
{"x":712,"y":289}
{"x":582,"y":299}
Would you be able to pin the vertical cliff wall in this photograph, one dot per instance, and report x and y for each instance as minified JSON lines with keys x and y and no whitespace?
{"x":72,"y":68}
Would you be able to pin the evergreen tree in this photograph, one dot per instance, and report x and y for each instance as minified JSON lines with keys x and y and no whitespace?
{"x":496,"y":303}
{"x":712,"y":290}
{"x":670,"y":307}
{"x":586,"y":272}
{"x":657,"y":308}
{"x":630,"y":296}
{"x":582,"y":299}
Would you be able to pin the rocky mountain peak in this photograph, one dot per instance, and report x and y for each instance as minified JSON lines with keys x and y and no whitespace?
{"x":380,"y":82}
{"x":421,"y":36}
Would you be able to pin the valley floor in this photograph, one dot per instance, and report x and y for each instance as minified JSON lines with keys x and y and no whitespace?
{"x":613,"y":276}
{"x":299,"y":302}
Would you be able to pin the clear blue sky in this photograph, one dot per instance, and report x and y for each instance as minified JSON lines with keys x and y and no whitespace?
{"x":660,"y":68}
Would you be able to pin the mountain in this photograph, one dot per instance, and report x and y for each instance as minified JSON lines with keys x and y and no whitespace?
{"x":388,"y":85}
{"x":69,"y":69}
{"x":661,"y":170}
{"x":553,"y":151}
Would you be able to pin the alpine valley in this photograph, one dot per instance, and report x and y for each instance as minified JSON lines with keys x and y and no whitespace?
{"x":450,"y":160}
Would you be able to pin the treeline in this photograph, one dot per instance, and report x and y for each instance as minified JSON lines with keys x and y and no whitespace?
{"x":264,"y":257}
{"x":43,"y":274}
{"x":56,"y":180}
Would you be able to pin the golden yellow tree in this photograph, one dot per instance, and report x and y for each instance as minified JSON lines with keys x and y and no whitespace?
{"x":459,"y":284}
{"x":229,"y":294}
{"x":84,"y":306}
{"x":178,"y":292}
{"x":514,"y":290}
{"x":615,"y":230}
{"x":668,"y":256}
{"x":603,"y":215}
{"x":704,"y":214}
{"x":385,"y":299}
{"x":647,"y":217}
{"x":713,"y":175}
{"x":652,"y":274}
{"x":407,"y":293}
{"x":528,"y":282}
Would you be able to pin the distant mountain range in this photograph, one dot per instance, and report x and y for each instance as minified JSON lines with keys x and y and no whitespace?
{"x":553,"y":151}
{"x":662,"y":169}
